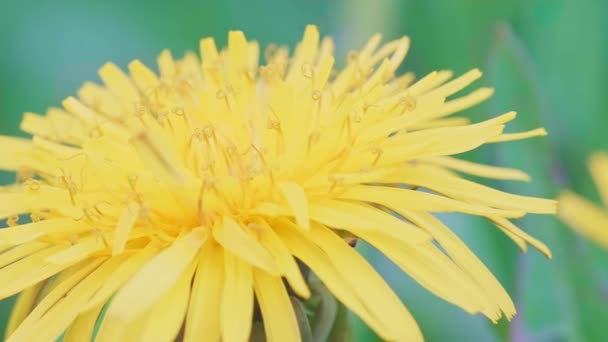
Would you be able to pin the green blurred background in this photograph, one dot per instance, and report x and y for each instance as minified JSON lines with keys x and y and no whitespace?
{"x":547,"y":59}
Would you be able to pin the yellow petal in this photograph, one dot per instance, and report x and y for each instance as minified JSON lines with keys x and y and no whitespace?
{"x":598,"y":165}
{"x":165,"y":318}
{"x":480,"y":170}
{"x":23,"y":306}
{"x":305,"y":53}
{"x":37,"y":125}
{"x":120,"y":85}
{"x":455,"y":187}
{"x":29,"y":271}
{"x":78,"y":251}
{"x":333,"y":279}
{"x":13,"y":148}
{"x":449,"y":122}
{"x":139,"y":293}
{"x":203,"y":318}
{"x":279,"y":319}
{"x":46,"y":197}
{"x":457,"y":83}
{"x":432,"y":269}
{"x":145,"y":78}
{"x":509,"y":226}
{"x":208,"y":51}
{"x":296,"y":198}
{"x":539,"y":132}
{"x":237,"y":299}
{"x":468,"y":261}
{"x":380,"y":298}
{"x":233,"y":238}
{"x":237,"y":49}
{"x":120,"y":276}
{"x":112,"y":329}
{"x":51,"y":303}
{"x":521,"y":243}
{"x":82,"y":328}
{"x":124,"y":226}
{"x":59,"y":317}
{"x":418,"y":200}
{"x":449,"y":140}
{"x":285,"y":261}
{"x":585,"y":217}
{"x":95,"y":120}
{"x":357,"y":218}
{"x":464,"y":102}
{"x":21,"y":251}
{"x":426,"y":83}
{"x":101,"y":99}
{"x":400,"y":53}
{"x":166,"y":65}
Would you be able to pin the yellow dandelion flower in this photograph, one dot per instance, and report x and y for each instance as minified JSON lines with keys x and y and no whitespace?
{"x":182,"y":199}
{"x":585,"y":217}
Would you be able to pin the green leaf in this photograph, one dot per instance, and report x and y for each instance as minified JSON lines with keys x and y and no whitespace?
{"x":325,"y":310}
{"x":257,"y":332}
{"x":301,"y":316}
{"x":342,"y":330}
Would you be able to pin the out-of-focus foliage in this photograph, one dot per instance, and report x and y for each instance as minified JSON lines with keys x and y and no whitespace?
{"x":547,"y":59}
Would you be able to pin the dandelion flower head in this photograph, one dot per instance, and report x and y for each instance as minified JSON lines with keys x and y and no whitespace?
{"x":182,"y":200}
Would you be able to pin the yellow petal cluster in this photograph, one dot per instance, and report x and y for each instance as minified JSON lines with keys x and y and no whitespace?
{"x":582,"y":215}
{"x":180,"y":200}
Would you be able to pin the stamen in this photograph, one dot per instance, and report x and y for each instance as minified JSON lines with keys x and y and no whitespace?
{"x":36,"y":217}
{"x":259,"y":154}
{"x":274,"y":124}
{"x":220,"y":94}
{"x":209,"y":133}
{"x":200,"y":202}
{"x":408,"y":103}
{"x":184,"y":87}
{"x":150,"y":147}
{"x":267,"y":73}
{"x":312,"y":139}
{"x":223,"y":94}
{"x":70,"y":187}
{"x":32,"y":185}
{"x":132,"y":179}
{"x":178,"y":111}
{"x":91,"y":215}
{"x":349,"y":127}
{"x":308,"y":72}
{"x":270,"y":52}
{"x":98,"y":211}
{"x":378,"y":152}
{"x":73,"y":239}
{"x":352,"y":56}
{"x":95,"y":132}
{"x":12,"y":221}
{"x":356,"y":116}
{"x":335,"y":181}
{"x":141,"y":109}
{"x":23,"y":174}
